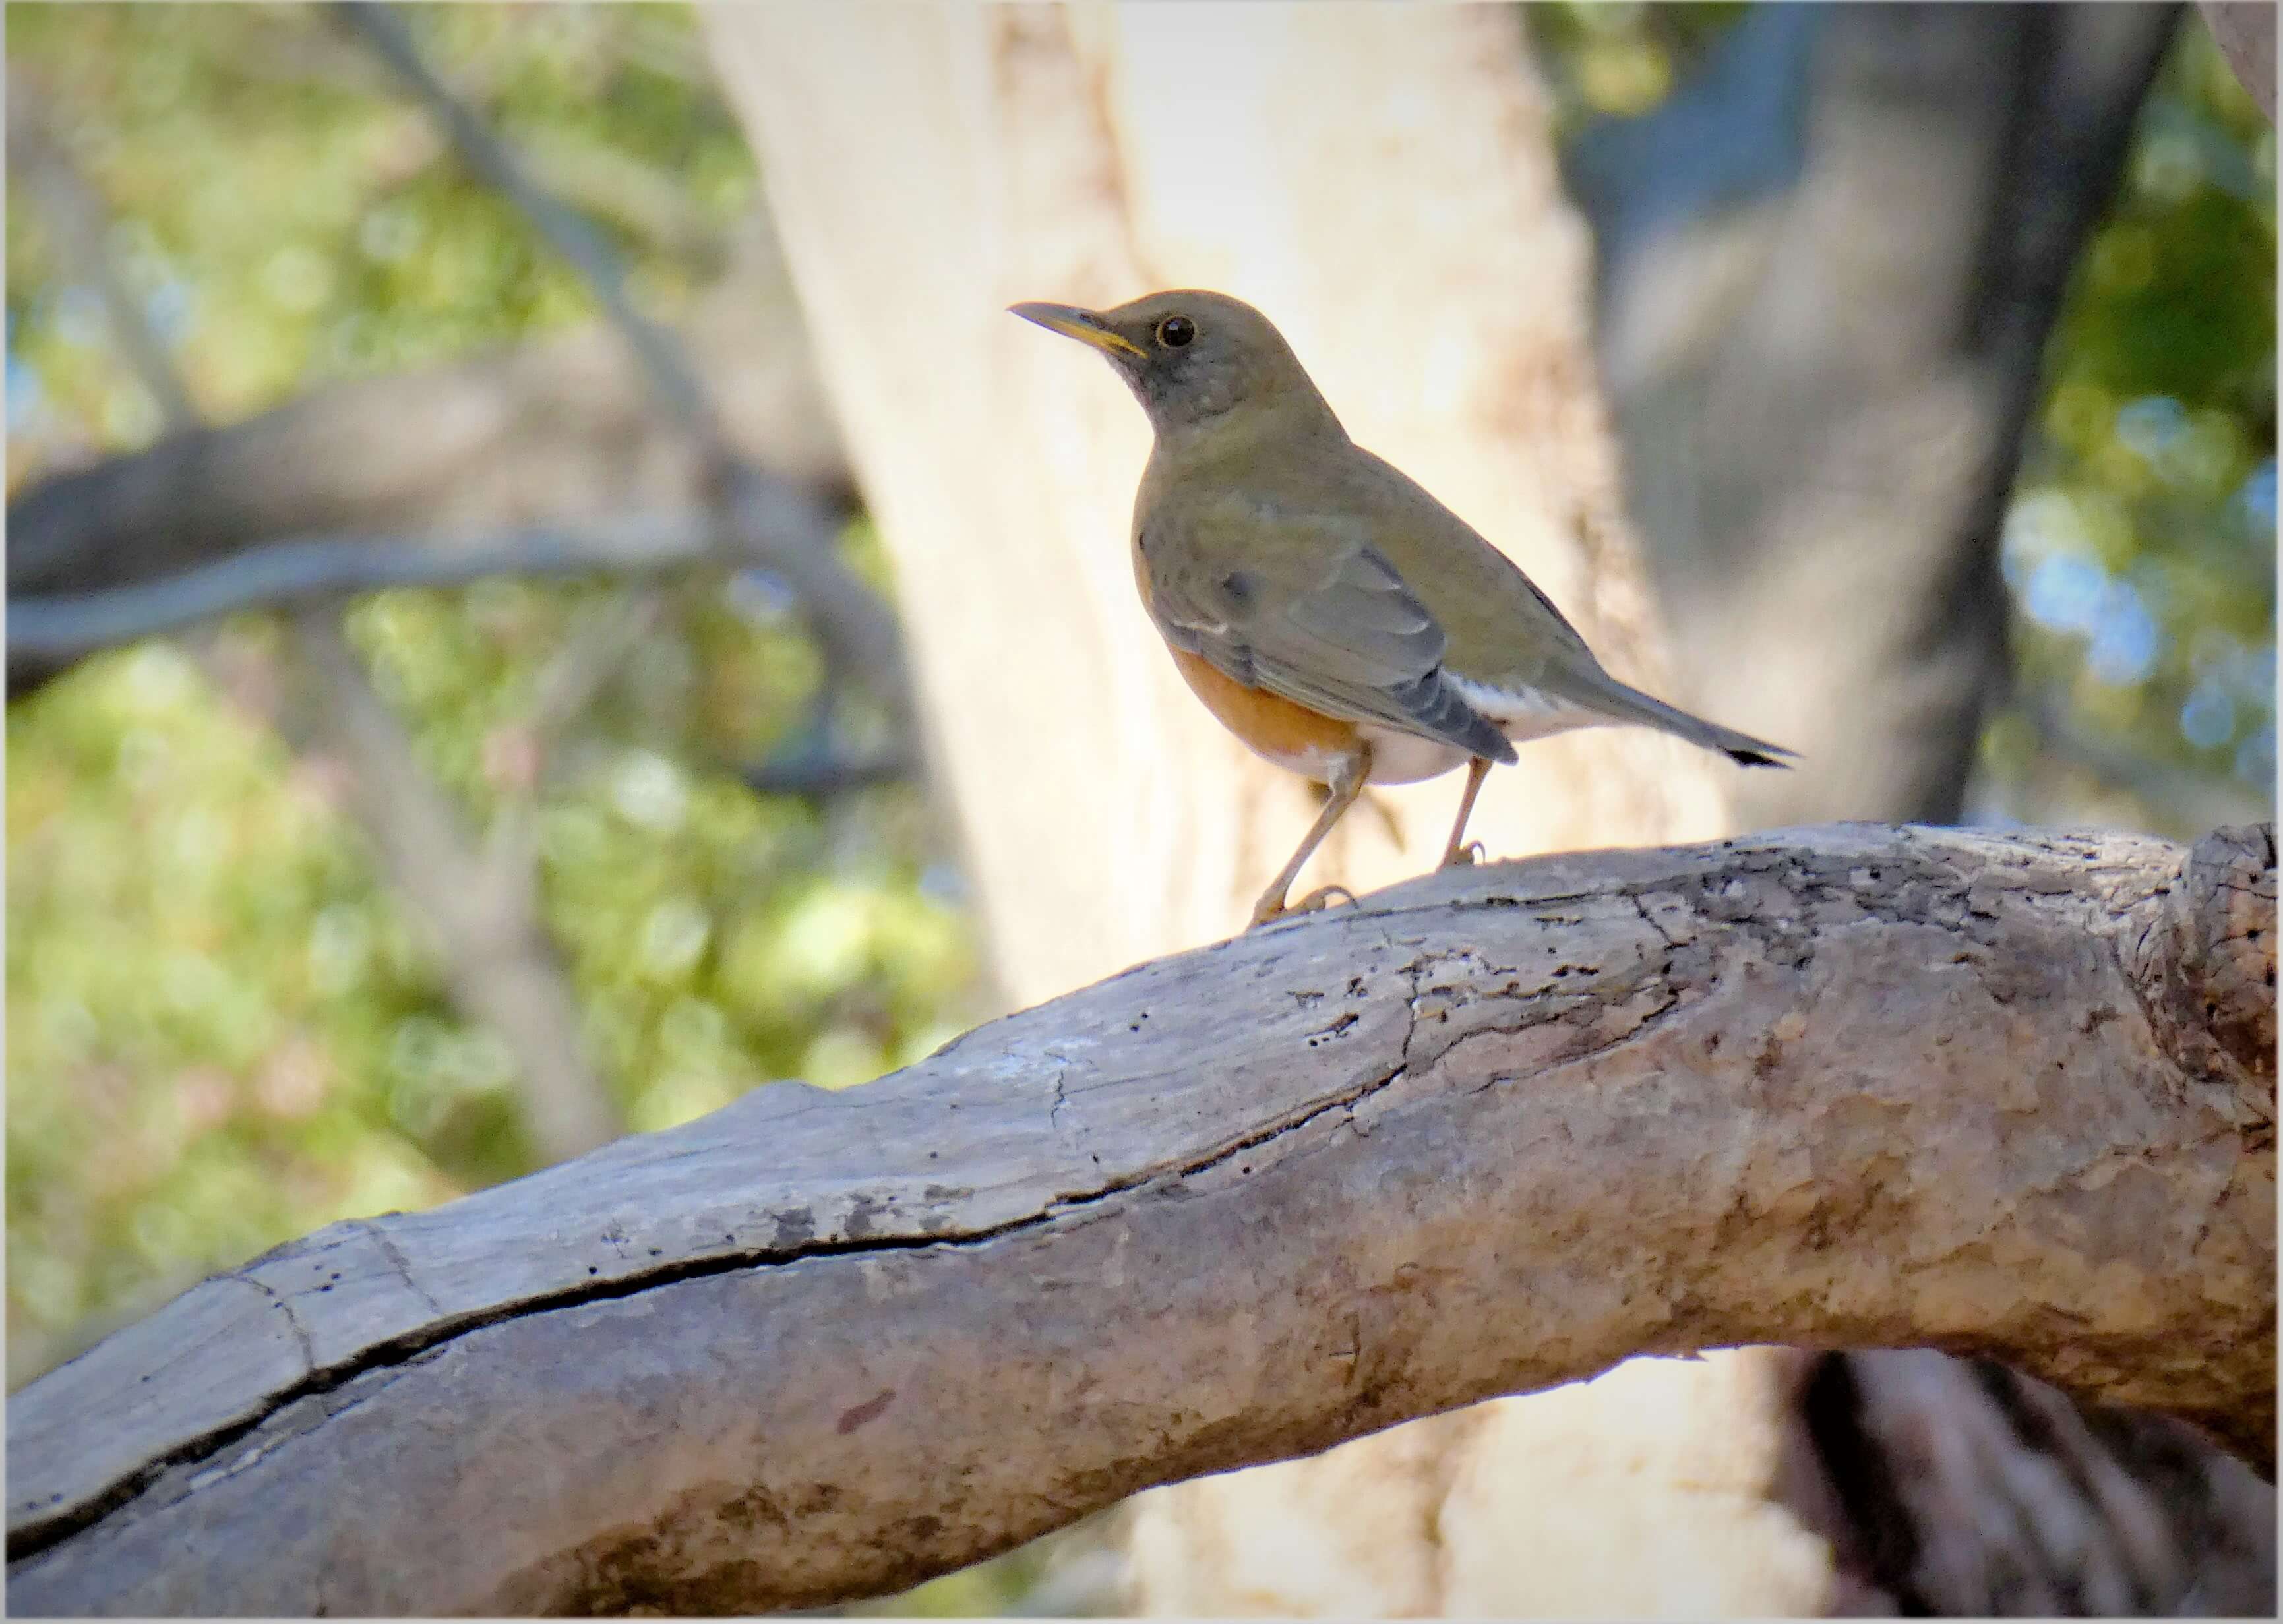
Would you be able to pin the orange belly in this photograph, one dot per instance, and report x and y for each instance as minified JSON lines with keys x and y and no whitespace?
{"x":1294,"y":737}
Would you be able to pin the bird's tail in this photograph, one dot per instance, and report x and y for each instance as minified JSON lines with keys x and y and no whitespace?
{"x":1634,"y":706}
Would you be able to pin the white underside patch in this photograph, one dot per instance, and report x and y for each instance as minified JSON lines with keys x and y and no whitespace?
{"x":1525,"y":713}
{"x":1406,"y":757}
{"x":1398,"y":757}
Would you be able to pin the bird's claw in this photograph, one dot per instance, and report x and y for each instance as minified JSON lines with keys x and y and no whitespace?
{"x":1466,"y":856}
{"x":1321,"y":897}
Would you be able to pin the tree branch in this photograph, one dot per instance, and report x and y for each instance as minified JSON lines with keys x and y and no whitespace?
{"x":858,"y":630}
{"x":1486,"y":1133}
{"x":82,"y":221}
{"x":555,"y":430}
{"x":477,"y":899}
{"x":66,"y":626}
{"x":480,"y":906}
{"x":560,"y":429}
{"x":566,"y":231}
{"x":811,"y":770}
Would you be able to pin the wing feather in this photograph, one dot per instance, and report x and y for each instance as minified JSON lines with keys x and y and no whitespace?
{"x":1320,"y":617}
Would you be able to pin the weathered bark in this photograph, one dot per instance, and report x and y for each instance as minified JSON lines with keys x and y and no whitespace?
{"x":1829,"y":271}
{"x":1381,"y":181}
{"x":1809,"y":511}
{"x":1486,"y":1131}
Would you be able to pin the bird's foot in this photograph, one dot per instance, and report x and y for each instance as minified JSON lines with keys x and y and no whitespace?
{"x":1464,"y":857}
{"x":1322,"y":896}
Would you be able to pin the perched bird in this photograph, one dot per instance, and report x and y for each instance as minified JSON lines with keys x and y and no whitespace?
{"x":1335,"y":617}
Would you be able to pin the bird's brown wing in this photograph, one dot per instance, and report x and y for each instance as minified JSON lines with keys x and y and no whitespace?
{"x":1313,"y":614}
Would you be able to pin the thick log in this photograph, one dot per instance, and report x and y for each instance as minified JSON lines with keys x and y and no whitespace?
{"x":1484,"y":1132}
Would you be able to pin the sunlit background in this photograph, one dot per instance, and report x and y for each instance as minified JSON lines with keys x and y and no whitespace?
{"x":222,"y":1031}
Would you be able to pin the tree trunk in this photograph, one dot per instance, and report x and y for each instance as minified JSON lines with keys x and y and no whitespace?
{"x":1381,"y":182}
{"x":1831,"y":263}
{"x":1491,"y":1129}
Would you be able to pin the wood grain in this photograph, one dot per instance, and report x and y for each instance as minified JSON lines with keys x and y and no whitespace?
{"x":1486,"y":1133}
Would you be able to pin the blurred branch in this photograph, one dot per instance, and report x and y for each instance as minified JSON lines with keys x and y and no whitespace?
{"x":63,"y":627}
{"x":858,"y":632}
{"x":589,"y":656}
{"x":479,"y":905}
{"x":82,"y":223}
{"x":650,"y":201}
{"x":824,"y":773}
{"x":531,"y":438}
{"x":566,"y":231}
{"x":2245,"y":33}
{"x":1212,"y":1212}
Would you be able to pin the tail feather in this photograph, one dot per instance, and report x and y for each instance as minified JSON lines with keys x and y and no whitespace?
{"x":1740,"y":748}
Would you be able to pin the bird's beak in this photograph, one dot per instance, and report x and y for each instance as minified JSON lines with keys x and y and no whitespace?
{"x":1082,"y":325}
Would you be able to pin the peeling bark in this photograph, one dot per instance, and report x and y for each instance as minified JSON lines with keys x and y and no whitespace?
{"x":1488,"y":1132}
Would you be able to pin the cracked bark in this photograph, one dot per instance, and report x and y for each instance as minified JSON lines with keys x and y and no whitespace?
{"x":1490,"y":1131}
{"x":1426,"y":267}
{"x":1380,"y":180}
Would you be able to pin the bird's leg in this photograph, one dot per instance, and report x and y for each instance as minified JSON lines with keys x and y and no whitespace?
{"x":1456,"y":852}
{"x":1347,"y":781}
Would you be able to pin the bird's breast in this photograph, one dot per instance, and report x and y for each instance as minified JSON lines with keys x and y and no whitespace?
{"x":1291,"y":735}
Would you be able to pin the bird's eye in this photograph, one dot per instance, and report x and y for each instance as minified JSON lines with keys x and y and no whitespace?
{"x":1176,"y":330}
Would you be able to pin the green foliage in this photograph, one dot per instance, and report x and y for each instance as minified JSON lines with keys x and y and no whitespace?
{"x":205,"y":997}
{"x":224,"y":1032}
{"x":2141,"y":542}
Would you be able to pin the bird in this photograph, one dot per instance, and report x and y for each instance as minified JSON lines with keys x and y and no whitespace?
{"x":1326,"y":609}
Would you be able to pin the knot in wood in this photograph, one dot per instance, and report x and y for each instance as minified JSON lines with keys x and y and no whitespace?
{"x":2206,"y":966}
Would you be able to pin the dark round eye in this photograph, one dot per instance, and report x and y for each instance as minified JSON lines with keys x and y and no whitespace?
{"x":1176,"y":330}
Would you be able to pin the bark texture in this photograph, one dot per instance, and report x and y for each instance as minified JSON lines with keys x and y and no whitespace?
{"x":1381,"y":181}
{"x":1484,"y":1132}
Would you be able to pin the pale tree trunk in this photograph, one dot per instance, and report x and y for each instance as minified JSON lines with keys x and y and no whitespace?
{"x":1381,"y":182}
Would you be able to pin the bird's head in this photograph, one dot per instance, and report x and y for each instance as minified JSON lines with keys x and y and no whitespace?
{"x":1190,"y":357}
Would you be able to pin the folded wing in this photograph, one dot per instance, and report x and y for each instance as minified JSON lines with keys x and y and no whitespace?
{"x":1312,"y":613}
